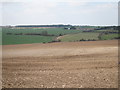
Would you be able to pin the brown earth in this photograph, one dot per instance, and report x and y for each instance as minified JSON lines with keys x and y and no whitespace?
{"x":92,"y":64}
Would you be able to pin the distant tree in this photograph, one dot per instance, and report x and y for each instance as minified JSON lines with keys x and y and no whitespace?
{"x":89,"y":40}
{"x":44,"y":42}
{"x":73,"y":27}
{"x":60,"y":34}
{"x":82,"y":39}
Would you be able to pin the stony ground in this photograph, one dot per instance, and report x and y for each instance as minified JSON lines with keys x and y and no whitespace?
{"x":92,"y":64}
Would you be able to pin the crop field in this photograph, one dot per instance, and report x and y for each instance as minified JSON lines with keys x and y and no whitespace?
{"x":78,"y":59}
{"x":106,"y":30}
{"x":46,"y":35}
{"x":109,"y":36}
{"x":92,"y":64}
{"x":79,"y":36}
{"x":24,"y":39}
{"x":55,"y":31}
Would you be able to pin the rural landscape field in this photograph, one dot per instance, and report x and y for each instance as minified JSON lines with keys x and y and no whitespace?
{"x":60,"y":57}
{"x":57,"y":33}
{"x":48,"y":44}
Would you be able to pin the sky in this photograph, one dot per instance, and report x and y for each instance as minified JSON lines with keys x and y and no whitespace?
{"x":74,"y":12}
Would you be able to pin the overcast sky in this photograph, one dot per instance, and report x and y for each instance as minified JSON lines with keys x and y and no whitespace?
{"x":75,"y":12}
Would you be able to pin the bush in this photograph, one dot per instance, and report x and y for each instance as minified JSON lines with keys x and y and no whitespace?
{"x":82,"y":40}
{"x":44,"y":42}
{"x":60,"y":34}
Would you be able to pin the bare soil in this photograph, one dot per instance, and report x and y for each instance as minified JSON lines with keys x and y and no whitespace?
{"x":92,"y":64}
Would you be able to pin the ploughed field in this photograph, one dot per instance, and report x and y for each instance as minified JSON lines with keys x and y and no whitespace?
{"x":92,"y":64}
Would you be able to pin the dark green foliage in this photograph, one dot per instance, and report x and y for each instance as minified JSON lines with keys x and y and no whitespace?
{"x":82,"y":39}
{"x":72,"y":27}
{"x":60,"y":34}
{"x":60,"y":25}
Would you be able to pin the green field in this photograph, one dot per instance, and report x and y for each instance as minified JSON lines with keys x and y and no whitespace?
{"x":24,"y":39}
{"x":109,"y":36}
{"x":79,"y":36}
{"x":9,"y":36}
{"x":107,"y":30}
{"x":55,"y":31}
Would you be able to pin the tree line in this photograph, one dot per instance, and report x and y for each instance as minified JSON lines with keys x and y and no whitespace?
{"x":44,"y":25}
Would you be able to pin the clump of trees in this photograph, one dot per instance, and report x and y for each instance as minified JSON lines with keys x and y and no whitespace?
{"x":87,"y":39}
{"x":60,"y":35}
{"x":59,"y":25}
{"x":73,"y":27}
{"x":107,"y":27}
{"x":82,"y":39}
{"x":54,"y":41}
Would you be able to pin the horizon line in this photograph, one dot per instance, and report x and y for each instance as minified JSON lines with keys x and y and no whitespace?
{"x":57,"y":24}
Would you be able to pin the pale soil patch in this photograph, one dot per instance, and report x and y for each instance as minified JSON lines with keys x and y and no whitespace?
{"x":58,"y":38}
{"x":91,"y":64}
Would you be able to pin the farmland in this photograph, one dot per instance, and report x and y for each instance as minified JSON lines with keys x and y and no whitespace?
{"x":25,"y":39}
{"x":27,"y":35}
{"x":11,"y":36}
{"x":55,"y":31}
{"x":92,"y":64}
{"x":80,"y":36}
{"x":109,"y":36}
{"x":79,"y":58}
{"x":46,"y":35}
